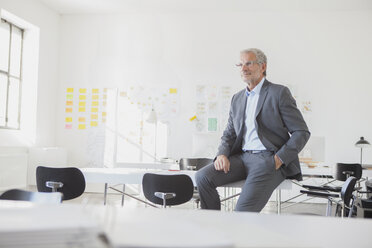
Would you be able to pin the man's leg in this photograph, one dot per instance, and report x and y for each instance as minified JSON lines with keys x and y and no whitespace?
{"x":208,"y":179}
{"x":261,"y":181}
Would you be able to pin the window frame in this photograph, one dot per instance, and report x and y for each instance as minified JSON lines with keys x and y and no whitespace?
{"x":9,"y":77}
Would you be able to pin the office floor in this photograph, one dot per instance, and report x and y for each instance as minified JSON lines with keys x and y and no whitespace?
{"x":270,"y":208}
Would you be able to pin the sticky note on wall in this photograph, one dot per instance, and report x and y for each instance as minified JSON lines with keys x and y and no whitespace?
{"x":81,"y":126}
{"x":172,"y":91}
{"x":70,"y":90}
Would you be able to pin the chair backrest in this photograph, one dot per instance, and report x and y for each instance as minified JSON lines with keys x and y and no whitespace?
{"x":347,"y":190}
{"x":38,"y":197}
{"x":72,"y":178}
{"x":194,"y":163}
{"x":181,"y":185}
{"x":342,"y":169}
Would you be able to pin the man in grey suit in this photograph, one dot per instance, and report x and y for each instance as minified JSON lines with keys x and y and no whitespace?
{"x":264,"y":134}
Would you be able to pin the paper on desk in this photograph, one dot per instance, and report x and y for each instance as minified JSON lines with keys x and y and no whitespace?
{"x":31,"y":225}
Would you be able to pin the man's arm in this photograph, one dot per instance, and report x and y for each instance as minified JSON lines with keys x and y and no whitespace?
{"x":229,"y":136}
{"x":296,"y":126}
{"x":221,"y":162}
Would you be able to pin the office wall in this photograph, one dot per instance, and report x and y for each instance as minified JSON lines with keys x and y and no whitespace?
{"x":323,"y":55}
{"x":48,"y":22}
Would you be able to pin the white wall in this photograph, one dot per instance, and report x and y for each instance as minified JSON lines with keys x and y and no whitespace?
{"x":48,"y":22}
{"x":324,"y":54}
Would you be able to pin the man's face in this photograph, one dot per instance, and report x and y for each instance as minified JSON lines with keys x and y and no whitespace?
{"x":251,"y":72}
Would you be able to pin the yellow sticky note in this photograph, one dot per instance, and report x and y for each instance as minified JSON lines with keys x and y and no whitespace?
{"x":83,"y":90}
{"x":82,"y":104}
{"x":82,"y":97}
{"x":68,"y":119}
{"x":81,"y":119}
{"x":94,"y":103}
{"x":104,"y":96}
{"x":69,"y":97}
{"x":81,"y":126}
{"x":93,"y":123}
{"x":70,"y":90}
{"x":193,"y":118}
{"x":94,"y":97}
{"x":94,"y":116}
{"x":94,"y":110}
{"x":103,"y":119}
{"x":103,"y":113}
{"x":68,"y":110}
{"x":172,"y":91}
{"x":95,"y":91}
{"x":82,"y":109}
{"x":69,"y":103}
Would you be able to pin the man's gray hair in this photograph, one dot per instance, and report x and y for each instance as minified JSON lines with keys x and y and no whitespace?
{"x":260,"y":56}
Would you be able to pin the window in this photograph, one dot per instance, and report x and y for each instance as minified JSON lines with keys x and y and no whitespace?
{"x":11,"y":45}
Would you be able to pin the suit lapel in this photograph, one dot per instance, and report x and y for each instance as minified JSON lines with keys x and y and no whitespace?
{"x":261,"y":99}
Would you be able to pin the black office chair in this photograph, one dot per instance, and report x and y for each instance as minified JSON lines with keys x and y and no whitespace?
{"x":167,"y":190}
{"x":344,"y":171}
{"x":345,"y":205}
{"x":194,"y":164}
{"x":69,"y":181}
{"x":37,"y":197}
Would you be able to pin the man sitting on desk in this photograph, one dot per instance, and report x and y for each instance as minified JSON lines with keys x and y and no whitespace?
{"x":264,"y":134}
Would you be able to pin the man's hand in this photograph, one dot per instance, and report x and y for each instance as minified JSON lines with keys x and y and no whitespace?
{"x":222,"y":163}
{"x":278,"y":162}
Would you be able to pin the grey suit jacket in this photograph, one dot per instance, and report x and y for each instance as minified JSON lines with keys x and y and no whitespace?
{"x":279,"y":125}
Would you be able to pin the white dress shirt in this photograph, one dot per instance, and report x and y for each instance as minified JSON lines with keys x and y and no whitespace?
{"x":250,"y":138}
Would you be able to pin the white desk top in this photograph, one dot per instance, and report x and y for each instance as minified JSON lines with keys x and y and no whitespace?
{"x":148,"y":227}
{"x":125,"y":175}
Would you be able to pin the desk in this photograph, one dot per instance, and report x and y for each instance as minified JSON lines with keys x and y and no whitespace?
{"x":149,"y":227}
{"x":134,"y":176}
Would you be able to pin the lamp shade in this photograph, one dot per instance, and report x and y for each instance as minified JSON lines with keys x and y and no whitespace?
{"x":152,"y":118}
{"x":362,"y":143}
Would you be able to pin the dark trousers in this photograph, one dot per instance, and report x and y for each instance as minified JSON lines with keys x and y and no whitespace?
{"x":258,"y":171}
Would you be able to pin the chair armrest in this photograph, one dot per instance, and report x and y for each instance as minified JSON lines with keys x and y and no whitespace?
{"x":322,"y":188}
{"x":318,"y":194}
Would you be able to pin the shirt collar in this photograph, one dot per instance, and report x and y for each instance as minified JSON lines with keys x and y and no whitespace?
{"x":256,"y":89}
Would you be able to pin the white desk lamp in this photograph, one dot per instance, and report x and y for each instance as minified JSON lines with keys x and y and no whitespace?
{"x":152,"y":118}
{"x":362,"y":143}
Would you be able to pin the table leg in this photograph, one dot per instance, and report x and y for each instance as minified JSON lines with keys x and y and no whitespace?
{"x":105,"y":194}
{"x":122,"y":196}
{"x":278,"y":201}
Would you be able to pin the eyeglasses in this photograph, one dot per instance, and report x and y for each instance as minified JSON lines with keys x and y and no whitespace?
{"x":247,"y":64}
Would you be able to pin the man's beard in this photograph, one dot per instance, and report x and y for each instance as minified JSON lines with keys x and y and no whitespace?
{"x":254,"y":78}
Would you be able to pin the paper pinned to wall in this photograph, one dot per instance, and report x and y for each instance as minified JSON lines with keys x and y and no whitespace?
{"x":212,"y":124}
